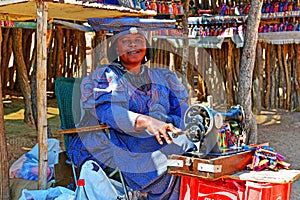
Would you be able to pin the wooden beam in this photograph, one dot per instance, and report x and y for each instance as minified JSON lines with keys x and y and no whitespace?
{"x":42,"y":16}
{"x":13,"y":17}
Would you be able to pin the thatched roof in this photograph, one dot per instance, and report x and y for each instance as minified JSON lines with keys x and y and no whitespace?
{"x":22,"y":10}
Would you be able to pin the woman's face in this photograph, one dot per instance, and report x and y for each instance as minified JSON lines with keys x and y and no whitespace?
{"x":131,"y":48}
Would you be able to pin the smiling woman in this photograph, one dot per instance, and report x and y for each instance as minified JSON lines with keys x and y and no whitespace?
{"x":131,"y":49}
{"x":140,"y":105}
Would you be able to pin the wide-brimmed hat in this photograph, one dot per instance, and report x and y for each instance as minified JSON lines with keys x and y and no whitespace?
{"x":112,"y":53}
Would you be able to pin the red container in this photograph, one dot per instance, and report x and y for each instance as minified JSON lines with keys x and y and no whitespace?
{"x":267,"y":191}
{"x":193,"y":188}
{"x":202,"y":189}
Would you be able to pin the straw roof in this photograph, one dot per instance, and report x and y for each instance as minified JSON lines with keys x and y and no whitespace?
{"x":22,"y":10}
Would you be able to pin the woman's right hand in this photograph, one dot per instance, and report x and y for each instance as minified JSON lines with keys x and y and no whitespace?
{"x":156,"y":127}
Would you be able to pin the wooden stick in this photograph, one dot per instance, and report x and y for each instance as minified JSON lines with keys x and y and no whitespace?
{"x":83,"y":129}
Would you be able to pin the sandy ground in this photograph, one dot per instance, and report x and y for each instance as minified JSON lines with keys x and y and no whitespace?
{"x":281,"y":129}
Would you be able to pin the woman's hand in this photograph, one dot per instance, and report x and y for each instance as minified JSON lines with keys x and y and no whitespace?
{"x":156,"y":127}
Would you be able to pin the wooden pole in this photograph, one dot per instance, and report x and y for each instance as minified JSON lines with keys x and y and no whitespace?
{"x":273,"y":68}
{"x":42,"y":15}
{"x":258,"y":80}
{"x":229,"y":79}
{"x":4,"y":166}
{"x":268,"y":76}
{"x":287,"y":73}
{"x":281,"y":75}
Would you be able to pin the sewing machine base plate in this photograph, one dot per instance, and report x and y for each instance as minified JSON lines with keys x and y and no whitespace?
{"x":211,"y":167}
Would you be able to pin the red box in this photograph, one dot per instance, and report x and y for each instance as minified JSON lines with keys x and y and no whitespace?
{"x":201,"y":189}
{"x":193,"y":188}
{"x":267,"y":191}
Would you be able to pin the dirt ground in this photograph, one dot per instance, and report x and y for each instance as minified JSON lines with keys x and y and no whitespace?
{"x":280,"y":128}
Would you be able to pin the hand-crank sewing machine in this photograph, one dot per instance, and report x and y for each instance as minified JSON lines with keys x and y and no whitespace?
{"x":219,"y":136}
{"x":215,"y":132}
{"x":217,"y":172}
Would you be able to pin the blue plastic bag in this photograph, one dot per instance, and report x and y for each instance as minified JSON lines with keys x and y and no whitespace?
{"x":26,"y":167}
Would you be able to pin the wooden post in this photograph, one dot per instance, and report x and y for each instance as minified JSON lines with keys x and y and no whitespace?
{"x":42,"y":15}
{"x":4,"y":166}
{"x":287,"y":78}
{"x":267,"y":76}
{"x":257,"y":84}
{"x":229,"y":79}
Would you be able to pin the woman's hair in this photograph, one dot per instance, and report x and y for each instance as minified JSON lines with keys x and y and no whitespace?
{"x":112,"y":53}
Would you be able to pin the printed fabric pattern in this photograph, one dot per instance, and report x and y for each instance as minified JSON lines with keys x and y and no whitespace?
{"x":111,"y":96}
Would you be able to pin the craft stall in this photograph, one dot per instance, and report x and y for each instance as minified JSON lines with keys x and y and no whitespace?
{"x":224,"y":166}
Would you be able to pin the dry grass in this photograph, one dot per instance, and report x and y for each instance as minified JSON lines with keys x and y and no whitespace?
{"x":20,"y":136}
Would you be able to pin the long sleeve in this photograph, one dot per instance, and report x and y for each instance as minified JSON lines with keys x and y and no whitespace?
{"x":103,"y":94}
{"x":174,"y":96}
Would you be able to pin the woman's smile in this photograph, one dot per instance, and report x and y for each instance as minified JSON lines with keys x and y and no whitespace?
{"x":131,"y":49}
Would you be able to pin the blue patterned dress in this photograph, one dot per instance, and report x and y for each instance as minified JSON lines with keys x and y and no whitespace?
{"x":113,"y":96}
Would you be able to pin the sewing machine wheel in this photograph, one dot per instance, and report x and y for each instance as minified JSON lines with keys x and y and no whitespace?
{"x":201,"y":115}
{"x":195,"y":133}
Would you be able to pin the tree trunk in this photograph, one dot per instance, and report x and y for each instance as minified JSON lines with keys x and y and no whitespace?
{"x":247,"y":65}
{"x":297,"y":81}
{"x":4,"y":165}
{"x":22,"y":74}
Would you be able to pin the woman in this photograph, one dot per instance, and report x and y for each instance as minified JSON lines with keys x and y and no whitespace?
{"x":141,"y":106}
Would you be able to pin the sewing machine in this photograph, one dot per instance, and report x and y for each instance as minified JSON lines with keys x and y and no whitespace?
{"x":215,"y":133}
{"x":219,"y":137}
